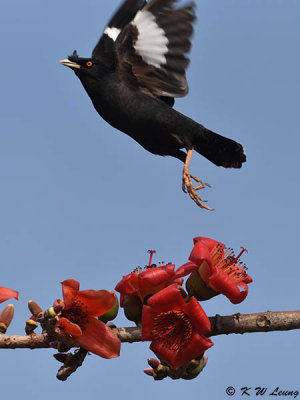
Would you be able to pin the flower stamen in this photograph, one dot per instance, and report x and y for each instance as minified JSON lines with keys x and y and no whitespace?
{"x":226,"y":260}
{"x":77,"y":313}
{"x":241,"y":252}
{"x":151,"y":252}
{"x":173,"y":329}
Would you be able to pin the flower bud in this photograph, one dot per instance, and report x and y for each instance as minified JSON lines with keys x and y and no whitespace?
{"x":34,"y":308}
{"x":195,"y":367}
{"x":153,"y":362}
{"x":149,"y":371}
{"x":176,"y":373}
{"x":112,"y":313}
{"x":197,"y":287}
{"x":133,"y":308}
{"x":50,"y":313}
{"x":6,"y":316}
{"x":160,"y":373}
{"x":31,"y":325}
{"x":62,"y":347}
{"x":57,"y":307}
{"x":62,"y":357}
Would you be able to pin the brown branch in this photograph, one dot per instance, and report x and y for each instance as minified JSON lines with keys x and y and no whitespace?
{"x":268,"y":321}
{"x":221,"y":325}
{"x":32,"y":341}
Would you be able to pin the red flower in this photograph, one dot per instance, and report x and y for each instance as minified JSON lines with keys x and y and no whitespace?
{"x":78,"y":318}
{"x":6,"y":293}
{"x":148,"y":282}
{"x":175,"y":327}
{"x":220,"y":269}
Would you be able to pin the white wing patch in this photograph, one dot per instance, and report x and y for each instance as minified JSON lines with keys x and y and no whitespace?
{"x":151,"y":43}
{"x":112,"y":32}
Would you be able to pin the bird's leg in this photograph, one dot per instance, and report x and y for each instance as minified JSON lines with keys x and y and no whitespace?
{"x":187,"y":183}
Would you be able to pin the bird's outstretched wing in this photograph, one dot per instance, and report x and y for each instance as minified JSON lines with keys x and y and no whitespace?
{"x":150,"y":50}
{"x":123,"y":16}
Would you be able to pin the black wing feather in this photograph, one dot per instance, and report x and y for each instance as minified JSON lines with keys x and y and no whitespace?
{"x":123,"y":16}
{"x":164,"y":75}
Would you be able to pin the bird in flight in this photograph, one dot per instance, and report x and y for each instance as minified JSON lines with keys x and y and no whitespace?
{"x":136,"y":70}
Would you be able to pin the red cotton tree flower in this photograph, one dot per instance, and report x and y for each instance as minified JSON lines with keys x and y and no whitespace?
{"x":148,"y":282}
{"x":175,"y":326}
{"x":152,"y":279}
{"x":219,"y":269}
{"x":6,"y":294}
{"x":78,"y":313}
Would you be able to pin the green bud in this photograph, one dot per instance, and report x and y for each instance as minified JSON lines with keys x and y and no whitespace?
{"x":176,"y":373}
{"x":133,"y":308}
{"x":3,"y":327}
{"x":197,"y":287}
{"x":159,"y":373}
{"x":50,"y":313}
{"x":194,"y":368}
{"x":112,"y":313}
{"x":31,"y":325}
{"x":193,"y":365}
{"x":62,"y":347}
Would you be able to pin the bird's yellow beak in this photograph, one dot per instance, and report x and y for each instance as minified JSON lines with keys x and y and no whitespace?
{"x":70,"y":64}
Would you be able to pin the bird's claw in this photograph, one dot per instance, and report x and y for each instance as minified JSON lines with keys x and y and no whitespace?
{"x":188,"y":187}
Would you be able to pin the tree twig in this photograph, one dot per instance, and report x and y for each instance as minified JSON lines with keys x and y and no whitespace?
{"x":75,"y":362}
{"x":220,"y":325}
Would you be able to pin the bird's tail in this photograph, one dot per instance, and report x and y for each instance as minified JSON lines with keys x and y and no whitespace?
{"x":218,"y":149}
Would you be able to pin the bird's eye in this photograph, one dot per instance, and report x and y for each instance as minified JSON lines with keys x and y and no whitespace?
{"x":89,"y":63}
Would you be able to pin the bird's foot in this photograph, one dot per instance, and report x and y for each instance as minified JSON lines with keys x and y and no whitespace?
{"x":188,"y":187}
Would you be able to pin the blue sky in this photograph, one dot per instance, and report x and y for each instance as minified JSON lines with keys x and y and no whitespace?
{"x":81,"y":200}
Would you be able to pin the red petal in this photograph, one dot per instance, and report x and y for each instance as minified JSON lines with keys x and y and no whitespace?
{"x":99,"y":339}
{"x":178,"y":281}
{"x":248,"y":279}
{"x":169,"y":298}
{"x":205,"y":271}
{"x":209,"y":243}
{"x":69,"y":327}
{"x":199,"y":319}
{"x":241,"y":297}
{"x":200,"y":253}
{"x":98,"y":302}
{"x":157,"y":276}
{"x":164,"y":353}
{"x":197,"y":345}
{"x":175,"y":358}
{"x":128,"y":284}
{"x":147,"y":323}
{"x":70,"y":289}
{"x":222,"y":283}
{"x":155,"y":279}
{"x":6,"y":293}
{"x":185,"y":269}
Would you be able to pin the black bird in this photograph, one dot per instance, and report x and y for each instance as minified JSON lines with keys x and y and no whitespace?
{"x":136,"y":69}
